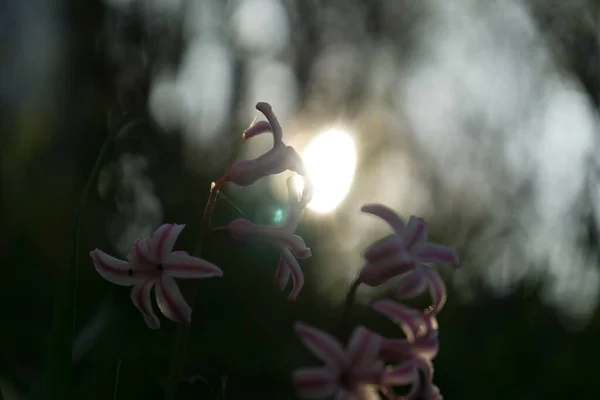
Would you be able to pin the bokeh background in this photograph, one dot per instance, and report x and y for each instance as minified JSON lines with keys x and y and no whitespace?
{"x":479,"y":115}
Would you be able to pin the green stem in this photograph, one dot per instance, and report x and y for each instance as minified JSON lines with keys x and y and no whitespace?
{"x":183,"y":330}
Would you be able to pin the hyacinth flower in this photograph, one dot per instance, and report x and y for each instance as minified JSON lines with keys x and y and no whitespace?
{"x":288,"y":266}
{"x":416,"y":372}
{"x":401,"y":252}
{"x":420,"y":331}
{"x":278,"y":159}
{"x":152,"y":263}
{"x":352,"y":373}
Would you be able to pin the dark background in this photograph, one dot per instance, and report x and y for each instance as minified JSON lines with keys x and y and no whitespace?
{"x":59,"y":101}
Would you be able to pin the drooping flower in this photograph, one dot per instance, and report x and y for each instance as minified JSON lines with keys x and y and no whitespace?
{"x":288,"y":266}
{"x":416,"y":372}
{"x":420,"y":332}
{"x":278,"y":159}
{"x":152,"y":263}
{"x":401,"y":252}
{"x":354,"y":373}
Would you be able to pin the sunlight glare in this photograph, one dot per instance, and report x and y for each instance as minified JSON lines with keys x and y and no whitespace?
{"x":330,"y":160}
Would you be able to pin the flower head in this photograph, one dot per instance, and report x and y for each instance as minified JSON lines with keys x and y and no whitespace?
{"x":402,"y":251}
{"x":288,"y":266}
{"x":278,"y":159}
{"x":347,"y":374}
{"x":152,"y":263}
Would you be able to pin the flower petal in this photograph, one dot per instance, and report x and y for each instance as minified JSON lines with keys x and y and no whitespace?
{"x":256,"y":128}
{"x":385,"y":247}
{"x":437,"y":288}
{"x":182,"y":265}
{"x":170,"y":300}
{"x":322,"y":345}
{"x":377,"y":272}
{"x":112,"y":269}
{"x":282,"y":276}
{"x":415,"y":233}
{"x":402,"y":374}
{"x":164,"y":240}
{"x":411,"y":321}
{"x":412,"y":283}
{"x":387,"y":214}
{"x":296,"y":272}
{"x":363,"y":348}
{"x":314,"y":383}
{"x":140,"y":254}
{"x":140,"y":296}
{"x":436,"y":253}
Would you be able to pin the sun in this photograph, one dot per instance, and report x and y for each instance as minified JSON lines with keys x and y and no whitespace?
{"x":330,"y":161}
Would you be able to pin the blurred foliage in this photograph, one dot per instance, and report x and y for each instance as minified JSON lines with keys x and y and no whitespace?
{"x":493,"y":348}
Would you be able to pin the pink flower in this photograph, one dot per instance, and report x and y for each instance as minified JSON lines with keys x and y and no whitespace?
{"x":153,"y":264}
{"x":422,"y":278}
{"x":401,"y":252}
{"x":416,"y":372}
{"x":288,"y":266}
{"x":354,"y":373}
{"x":278,"y":159}
{"x":420,"y":331}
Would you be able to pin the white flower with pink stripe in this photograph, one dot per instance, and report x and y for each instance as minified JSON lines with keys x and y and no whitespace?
{"x":152,"y":264}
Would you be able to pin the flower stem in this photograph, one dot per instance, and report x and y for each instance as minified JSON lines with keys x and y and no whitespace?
{"x":350,"y":298}
{"x":183,"y":330}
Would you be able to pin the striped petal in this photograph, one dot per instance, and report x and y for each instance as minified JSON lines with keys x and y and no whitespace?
{"x":387,"y":214}
{"x":141,"y":255}
{"x":170,"y":300}
{"x":182,"y":265}
{"x":411,"y":321}
{"x":282,"y":276}
{"x":321,"y":344}
{"x":140,"y":296}
{"x":438,"y":254}
{"x":402,"y":374}
{"x":416,"y":233}
{"x":412,"y":284}
{"x":296,"y":272}
{"x":314,"y":383}
{"x":164,"y":240}
{"x":363,"y":348}
{"x":112,"y":269}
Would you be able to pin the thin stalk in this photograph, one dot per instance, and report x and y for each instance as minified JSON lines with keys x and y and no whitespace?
{"x":183,"y":330}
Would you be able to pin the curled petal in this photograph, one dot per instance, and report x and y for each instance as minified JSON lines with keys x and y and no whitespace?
{"x":410,"y":320}
{"x":403,"y":374}
{"x":437,"y":288}
{"x":384,"y":248}
{"x":438,"y":254}
{"x":282,"y":276}
{"x":112,"y":269}
{"x":412,"y":284}
{"x":182,"y":265}
{"x":141,"y":255}
{"x":415,"y":233}
{"x":267,"y":111}
{"x":256,"y":129}
{"x":321,"y":344}
{"x":296,"y":272}
{"x":377,"y":272}
{"x":387,"y":214}
{"x":170,"y":300}
{"x":245,"y":231}
{"x":140,"y":296}
{"x":363,"y":348}
{"x":164,"y":240}
{"x":314,"y":383}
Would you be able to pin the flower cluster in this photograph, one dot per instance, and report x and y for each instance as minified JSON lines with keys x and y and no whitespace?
{"x":371,"y":364}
